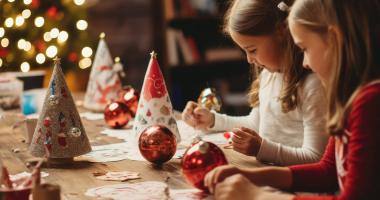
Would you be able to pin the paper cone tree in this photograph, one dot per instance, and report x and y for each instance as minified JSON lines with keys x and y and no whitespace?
{"x":104,"y":82}
{"x":154,"y":107}
{"x":59,"y":132}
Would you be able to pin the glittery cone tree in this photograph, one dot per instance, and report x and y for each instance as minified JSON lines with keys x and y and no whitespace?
{"x":154,"y":106}
{"x":59,"y":132}
{"x":104,"y":82}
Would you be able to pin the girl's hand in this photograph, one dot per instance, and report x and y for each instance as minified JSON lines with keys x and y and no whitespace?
{"x":240,"y":187}
{"x":197,"y":116}
{"x":236,"y":187}
{"x":246,"y":141}
{"x":218,"y":175}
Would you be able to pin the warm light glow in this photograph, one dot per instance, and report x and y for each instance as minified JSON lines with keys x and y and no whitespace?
{"x":51,"y":51}
{"x":8,"y":22}
{"x":47,"y":37}
{"x":85,"y":63}
{"x":26,"y":13}
{"x":4,"y":42}
{"x":63,"y":36}
{"x":2,"y":32}
{"x":1,"y":62}
{"x":79,"y":2}
{"x":25,"y":67}
{"x":19,"y":20}
{"x":86,"y":52}
{"x":39,"y":21}
{"x":40,"y":58}
{"x":27,"y":2}
{"x":11,"y":1}
{"x":21,"y":44}
{"x":54,"y":32}
{"x":28,"y":46}
{"x":82,"y":25}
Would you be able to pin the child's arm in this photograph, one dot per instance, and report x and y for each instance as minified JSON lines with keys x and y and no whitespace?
{"x":360,"y":166}
{"x":314,"y":108}
{"x":317,"y":177}
{"x":224,"y":122}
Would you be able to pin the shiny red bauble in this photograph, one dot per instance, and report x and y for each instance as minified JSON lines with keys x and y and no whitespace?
{"x":200,"y":158}
{"x":130,"y":97}
{"x":117,"y":114}
{"x":157,"y":144}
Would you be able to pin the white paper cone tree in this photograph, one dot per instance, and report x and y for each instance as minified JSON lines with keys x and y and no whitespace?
{"x":104,"y":82}
{"x":154,"y":106}
{"x":59,"y":132}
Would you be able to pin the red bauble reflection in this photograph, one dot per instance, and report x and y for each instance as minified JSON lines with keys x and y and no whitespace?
{"x":117,"y":114}
{"x":130,"y":97}
{"x":157,"y":144}
{"x":199,"y":159}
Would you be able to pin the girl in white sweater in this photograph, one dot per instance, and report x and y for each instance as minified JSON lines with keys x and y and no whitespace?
{"x":286,"y":124}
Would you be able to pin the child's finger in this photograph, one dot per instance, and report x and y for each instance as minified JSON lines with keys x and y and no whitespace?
{"x":241,"y":134}
{"x":191,"y":105}
{"x":250,"y":131}
{"x":189,"y":119}
{"x":237,"y":140}
{"x":206,"y":180}
{"x":201,"y":111}
{"x":209,"y":180}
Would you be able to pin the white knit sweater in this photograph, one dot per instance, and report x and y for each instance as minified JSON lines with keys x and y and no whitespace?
{"x":289,"y":138}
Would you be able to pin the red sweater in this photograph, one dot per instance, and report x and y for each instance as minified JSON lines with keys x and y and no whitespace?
{"x":351,"y":163}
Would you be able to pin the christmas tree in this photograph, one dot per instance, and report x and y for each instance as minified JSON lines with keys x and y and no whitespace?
{"x":59,"y":132}
{"x":34,"y":31}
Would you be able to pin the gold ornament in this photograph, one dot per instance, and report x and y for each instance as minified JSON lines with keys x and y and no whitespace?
{"x":209,"y":99}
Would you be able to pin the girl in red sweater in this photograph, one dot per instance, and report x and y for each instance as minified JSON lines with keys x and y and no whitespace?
{"x":341,"y":43}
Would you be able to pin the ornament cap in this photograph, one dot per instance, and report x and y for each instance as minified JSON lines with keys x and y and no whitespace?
{"x":102,"y":35}
{"x":196,"y":139}
{"x":203,"y":147}
{"x":153,"y":54}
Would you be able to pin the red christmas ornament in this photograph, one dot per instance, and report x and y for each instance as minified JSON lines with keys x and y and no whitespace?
{"x":200,"y":158}
{"x":35,"y":3}
{"x":3,"y":52}
{"x":73,"y":57}
{"x":130,"y":97}
{"x":52,"y":12}
{"x":117,"y":114}
{"x":157,"y":144}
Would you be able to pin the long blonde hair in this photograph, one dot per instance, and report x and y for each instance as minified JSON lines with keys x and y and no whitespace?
{"x":263,"y":17}
{"x":353,"y":60}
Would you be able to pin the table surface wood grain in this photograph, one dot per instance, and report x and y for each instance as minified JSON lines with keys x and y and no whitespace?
{"x":76,"y":178}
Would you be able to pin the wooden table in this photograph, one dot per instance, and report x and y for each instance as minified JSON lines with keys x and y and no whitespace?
{"x":76,"y":179}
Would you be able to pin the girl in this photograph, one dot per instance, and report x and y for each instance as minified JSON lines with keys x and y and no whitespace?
{"x":342,"y":48}
{"x":286,"y":124}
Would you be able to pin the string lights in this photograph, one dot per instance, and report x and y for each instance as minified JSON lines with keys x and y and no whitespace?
{"x":32,"y":36}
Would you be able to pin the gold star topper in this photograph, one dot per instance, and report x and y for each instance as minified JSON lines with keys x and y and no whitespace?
{"x":102,"y":35}
{"x":153,"y":55}
{"x":57,"y":60}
